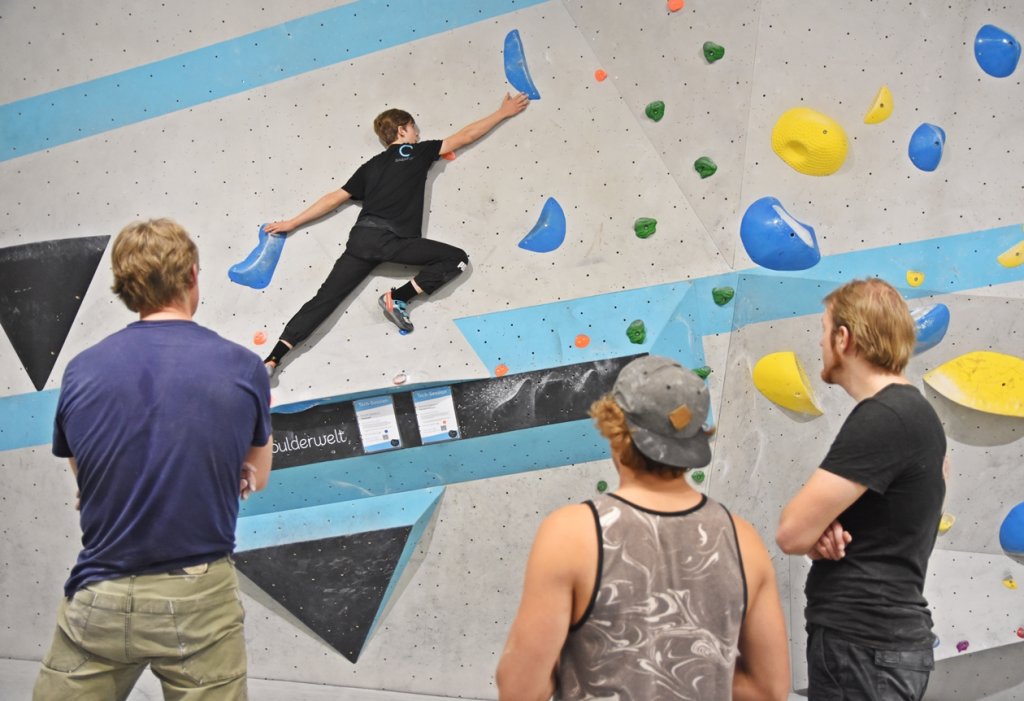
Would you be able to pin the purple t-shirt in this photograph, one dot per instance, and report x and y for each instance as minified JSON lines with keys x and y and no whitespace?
{"x":159,"y":417}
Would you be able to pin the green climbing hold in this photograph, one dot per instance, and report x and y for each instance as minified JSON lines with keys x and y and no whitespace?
{"x":723,"y":295}
{"x":705,"y":166}
{"x":602,"y":486}
{"x":698,"y":476}
{"x":644,"y":227}
{"x":703,"y":371}
{"x":636,"y":331}
{"x":655,"y":110}
{"x":713,"y":51}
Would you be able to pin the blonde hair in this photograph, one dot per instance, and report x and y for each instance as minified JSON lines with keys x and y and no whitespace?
{"x":611,"y":422}
{"x":385,"y":126}
{"x":152,"y":263}
{"x":878,"y":320}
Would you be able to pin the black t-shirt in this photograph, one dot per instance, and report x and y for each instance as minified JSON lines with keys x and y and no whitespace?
{"x":893,"y":444}
{"x":391,"y":186}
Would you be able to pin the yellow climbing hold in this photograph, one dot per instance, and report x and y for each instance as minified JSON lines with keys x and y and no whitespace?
{"x":946,"y":522}
{"x":1009,"y":582}
{"x":983,"y":380}
{"x":779,"y":377}
{"x":1012,"y":256}
{"x":882,"y":107}
{"x":809,"y":141}
{"x":915,"y":278}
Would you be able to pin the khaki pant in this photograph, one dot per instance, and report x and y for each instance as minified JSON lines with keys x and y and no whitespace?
{"x":186,"y":627}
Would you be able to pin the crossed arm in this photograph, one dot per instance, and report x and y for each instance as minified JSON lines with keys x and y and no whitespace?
{"x":808,"y":523}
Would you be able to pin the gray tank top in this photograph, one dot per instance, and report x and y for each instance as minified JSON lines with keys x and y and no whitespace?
{"x":664,"y":620}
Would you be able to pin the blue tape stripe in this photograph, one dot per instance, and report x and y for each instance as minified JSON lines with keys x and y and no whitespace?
{"x":540,"y":337}
{"x":265,"y":530}
{"x":27,"y":419}
{"x":230,"y":67}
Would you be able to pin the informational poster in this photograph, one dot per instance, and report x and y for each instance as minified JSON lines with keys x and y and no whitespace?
{"x":435,"y":414}
{"x":378,"y":427}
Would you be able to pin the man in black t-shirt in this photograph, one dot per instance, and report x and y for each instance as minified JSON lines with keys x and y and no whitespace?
{"x":391,"y":187}
{"x":868,"y":517}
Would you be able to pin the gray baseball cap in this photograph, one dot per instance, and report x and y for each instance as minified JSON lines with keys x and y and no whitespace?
{"x":666,"y":406}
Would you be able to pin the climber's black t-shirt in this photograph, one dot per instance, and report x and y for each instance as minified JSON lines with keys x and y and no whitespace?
{"x":391,"y":186}
{"x":893,"y":444}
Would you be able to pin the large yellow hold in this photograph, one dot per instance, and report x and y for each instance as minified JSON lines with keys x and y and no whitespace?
{"x":983,"y":380}
{"x":1012,"y":256}
{"x":780,"y":377}
{"x":809,"y":141}
{"x":881,"y":108}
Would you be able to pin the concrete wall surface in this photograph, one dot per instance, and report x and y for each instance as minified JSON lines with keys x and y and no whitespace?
{"x":225,"y":115}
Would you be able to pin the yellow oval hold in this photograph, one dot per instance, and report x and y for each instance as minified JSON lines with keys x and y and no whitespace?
{"x":1012,"y":256}
{"x":915,"y":278}
{"x":882,"y":107}
{"x":780,"y":378}
{"x":983,"y":380}
{"x":946,"y":522}
{"x":1009,"y":582}
{"x":810,"y":142}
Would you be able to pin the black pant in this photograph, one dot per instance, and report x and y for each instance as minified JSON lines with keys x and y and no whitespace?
{"x":839,"y":670}
{"x":367,"y":247}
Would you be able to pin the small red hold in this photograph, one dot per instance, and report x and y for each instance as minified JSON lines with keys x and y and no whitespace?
{"x":501,"y":370}
{"x":675,"y":5}
{"x":1020,"y":632}
{"x":962,"y":646}
{"x":600,"y":75}
{"x":582,"y":341}
{"x":259,"y":338}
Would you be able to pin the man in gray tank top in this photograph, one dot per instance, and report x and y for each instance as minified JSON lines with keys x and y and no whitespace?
{"x":653,"y":591}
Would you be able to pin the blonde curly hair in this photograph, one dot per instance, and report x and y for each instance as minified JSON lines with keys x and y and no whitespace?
{"x":611,"y":422}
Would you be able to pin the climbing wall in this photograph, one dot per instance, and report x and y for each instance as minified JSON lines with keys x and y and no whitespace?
{"x":224,"y":117}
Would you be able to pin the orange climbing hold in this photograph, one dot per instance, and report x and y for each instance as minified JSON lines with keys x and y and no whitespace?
{"x":501,"y":370}
{"x":582,"y":341}
{"x":259,"y":338}
{"x":450,"y":156}
{"x":600,"y":75}
{"x":675,"y":5}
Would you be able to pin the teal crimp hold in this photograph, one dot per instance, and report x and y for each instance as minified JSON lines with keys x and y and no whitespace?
{"x":723,"y":295}
{"x":705,"y":166}
{"x":636,"y":331}
{"x":702,"y":372}
{"x":713,"y":51}
{"x":655,"y":110}
{"x":645,"y":227}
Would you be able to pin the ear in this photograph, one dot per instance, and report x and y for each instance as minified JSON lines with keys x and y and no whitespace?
{"x":844,"y":340}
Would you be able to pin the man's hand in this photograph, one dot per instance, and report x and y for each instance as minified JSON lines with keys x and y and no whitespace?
{"x":279,"y":227}
{"x":245,"y":487}
{"x":511,"y":106}
{"x":832,"y":543}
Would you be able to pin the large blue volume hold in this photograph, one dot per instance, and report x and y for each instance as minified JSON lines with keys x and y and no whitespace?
{"x":931,"y":323}
{"x":515,"y":66}
{"x":996,"y":50}
{"x":549,"y":231}
{"x":774,"y":238}
{"x":257,"y":269}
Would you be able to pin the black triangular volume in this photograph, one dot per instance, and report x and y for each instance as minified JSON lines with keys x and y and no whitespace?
{"x":334,"y":586}
{"x":41,"y":289}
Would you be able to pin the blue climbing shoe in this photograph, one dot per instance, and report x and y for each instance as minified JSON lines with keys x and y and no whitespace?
{"x":395,"y":311}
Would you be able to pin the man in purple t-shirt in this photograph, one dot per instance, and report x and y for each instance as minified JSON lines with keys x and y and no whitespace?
{"x":391,"y":186}
{"x":161,"y":447}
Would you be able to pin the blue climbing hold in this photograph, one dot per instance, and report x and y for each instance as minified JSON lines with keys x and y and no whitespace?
{"x":1011,"y":533}
{"x":931,"y":322}
{"x":926,"y":146}
{"x":774,"y":239}
{"x":549,"y":231}
{"x":258,"y":268}
{"x":515,"y":66}
{"x":996,"y":50}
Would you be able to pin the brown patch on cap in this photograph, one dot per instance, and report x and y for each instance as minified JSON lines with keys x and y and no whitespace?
{"x":680,"y":416}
